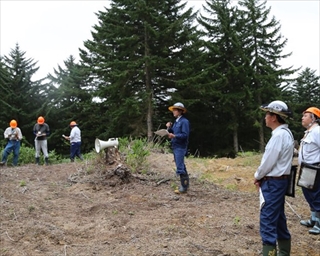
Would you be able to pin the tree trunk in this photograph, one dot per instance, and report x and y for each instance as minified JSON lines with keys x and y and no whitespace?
{"x":235,"y":140}
{"x":261,"y":137}
{"x":148,"y":88}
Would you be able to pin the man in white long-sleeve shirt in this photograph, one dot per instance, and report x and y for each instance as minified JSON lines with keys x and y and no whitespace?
{"x":14,"y":136}
{"x":272,"y":178}
{"x":75,"y":141}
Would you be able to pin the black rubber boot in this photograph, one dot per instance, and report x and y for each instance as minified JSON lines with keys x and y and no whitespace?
{"x":37,"y":160}
{"x":269,"y":250}
{"x":311,"y":222}
{"x":184,"y":179}
{"x":284,"y":247}
{"x":46,"y":160}
{"x":316,"y":228}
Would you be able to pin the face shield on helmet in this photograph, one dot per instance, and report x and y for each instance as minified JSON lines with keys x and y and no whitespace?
{"x":277,"y":107}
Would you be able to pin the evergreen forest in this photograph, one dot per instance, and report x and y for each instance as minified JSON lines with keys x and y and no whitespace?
{"x":146,"y":55}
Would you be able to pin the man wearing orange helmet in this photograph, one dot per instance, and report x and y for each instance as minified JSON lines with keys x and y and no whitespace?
{"x":309,"y":153}
{"x":75,"y":141}
{"x":14,"y":136}
{"x":41,"y":130}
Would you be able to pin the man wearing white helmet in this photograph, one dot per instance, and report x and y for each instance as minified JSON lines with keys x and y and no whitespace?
{"x":309,"y":154}
{"x":179,"y":135}
{"x":272,"y":179}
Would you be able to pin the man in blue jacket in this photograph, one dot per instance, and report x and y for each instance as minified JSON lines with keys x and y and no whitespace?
{"x":179,"y":135}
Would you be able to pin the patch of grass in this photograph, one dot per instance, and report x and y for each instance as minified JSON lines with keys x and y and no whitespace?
{"x":207,"y":176}
{"x":232,"y":187}
{"x":23,"y":183}
{"x":173,"y":185}
{"x":219,"y":180}
{"x":89,"y":169}
{"x":31,"y":208}
{"x":236,"y":220}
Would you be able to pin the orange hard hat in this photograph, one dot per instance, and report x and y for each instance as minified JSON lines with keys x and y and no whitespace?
{"x":313,"y":110}
{"x":13,"y":124}
{"x":40,"y":120}
{"x":73,"y":123}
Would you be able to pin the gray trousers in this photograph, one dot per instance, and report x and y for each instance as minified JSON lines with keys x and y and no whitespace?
{"x":41,"y":145}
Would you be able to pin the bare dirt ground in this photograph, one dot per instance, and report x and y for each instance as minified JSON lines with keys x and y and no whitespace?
{"x":94,"y":208}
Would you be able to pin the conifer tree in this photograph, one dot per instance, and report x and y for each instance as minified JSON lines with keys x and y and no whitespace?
{"x":227,"y":80}
{"x":137,"y":56}
{"x":303,"y":93}
{"x":264,"y":45}
{"x":23,"y":95}
{"x":69,"y":99}
{"x":4,"y":99}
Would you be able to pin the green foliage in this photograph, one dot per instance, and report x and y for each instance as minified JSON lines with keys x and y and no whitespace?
{"x":301,"y":94}
{"x":69,"y":96}
{"x":31,"y":208}
{"x":139,"y":53}
{"x":136,"y":152}
{"x":236,"y":220}
{"x":247,"y":153}
{"x":27,"y":156}
{"x":146,"y":55}
{"x":232,"y":187}
{"x":23,"y":183}
{"x":22,"y":94}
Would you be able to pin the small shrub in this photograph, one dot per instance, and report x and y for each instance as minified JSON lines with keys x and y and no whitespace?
{"x":23,"y":183}
{"x":31,"y":208}
{"x":136,"y":152}
{"x":236,"y":220}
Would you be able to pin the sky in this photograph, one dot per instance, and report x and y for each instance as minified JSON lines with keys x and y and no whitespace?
{"x":50,"y":31}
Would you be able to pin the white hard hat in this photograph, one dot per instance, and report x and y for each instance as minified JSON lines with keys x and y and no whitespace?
{"x":277,"y":107}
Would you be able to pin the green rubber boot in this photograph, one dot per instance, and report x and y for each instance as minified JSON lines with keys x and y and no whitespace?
{"x":269,"y":250}
{"x":284,"y":247}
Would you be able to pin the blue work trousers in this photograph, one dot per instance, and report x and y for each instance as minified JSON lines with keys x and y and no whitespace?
{"x":12,"y":146}
{"x":75,"y":150}
{"x":313,"y":198}
{"x":179,"y":154}
{"x":273,"y":222}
